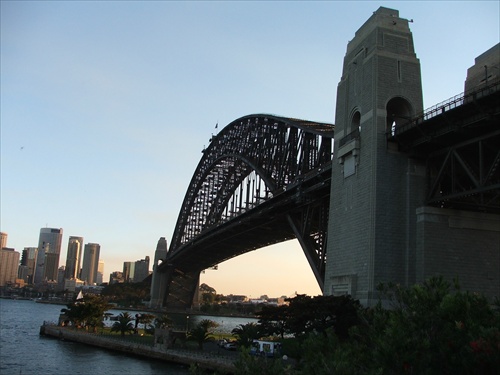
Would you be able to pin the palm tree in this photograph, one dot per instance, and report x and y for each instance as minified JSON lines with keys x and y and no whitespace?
{"x":246,"y":333}
{"x":201,"y":332}
{"x":123,"y":324}
{"x":146,"y":319}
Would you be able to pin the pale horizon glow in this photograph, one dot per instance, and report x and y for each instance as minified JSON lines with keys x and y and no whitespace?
{"x":106,"y":106}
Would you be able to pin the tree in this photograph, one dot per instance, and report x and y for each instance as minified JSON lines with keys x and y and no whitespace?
{"x":162,"y":321}
{"x":202,"y":331}
{"x":246,"y":333}
{"x":74,"y":313}
{"x":204,"y":288}
{"x":431,"y":328}
{"x":317,"y":314}
{"x":123,"y":324}
{"x":250,"y":365}
{"x":306,"y":314}
{"x":146,"y":319}
{"x":435,"y":328}
{"x":208,"y":294}
{"x":127,"y":294}
{"x":273,"y":320}
{"x":87,"y":312}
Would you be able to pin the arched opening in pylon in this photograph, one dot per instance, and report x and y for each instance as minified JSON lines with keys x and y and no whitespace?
{"x":399,"y":111}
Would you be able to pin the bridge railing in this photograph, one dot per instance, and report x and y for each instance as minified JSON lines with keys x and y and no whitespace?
{"x":451,"y":103}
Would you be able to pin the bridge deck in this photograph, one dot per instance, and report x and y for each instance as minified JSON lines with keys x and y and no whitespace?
{"x":460,"y":142}
{"x":465,"y":116}
{"x":264,"y":225}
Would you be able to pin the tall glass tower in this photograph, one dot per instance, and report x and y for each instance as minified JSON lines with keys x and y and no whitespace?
{"x":28,"y":262}
{"x":74,"y":257}
{"x":90,"y":263}
{"x":49,"y":248}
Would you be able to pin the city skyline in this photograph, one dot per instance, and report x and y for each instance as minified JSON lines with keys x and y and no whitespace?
{"x":126,"y":95}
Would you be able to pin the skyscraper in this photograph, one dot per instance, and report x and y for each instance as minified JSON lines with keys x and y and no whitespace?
{"x":100,"y":273}
{"x":49,"y":248}
{"x":9,"y":263}
{"x":90,"y":263}
{"x":3,"y":240}
{"x":28,"y":262}
{"x":128,"y":271}
{"x":74,"y":257}
{"x":60,"y":278}
{"x":141,"y":270}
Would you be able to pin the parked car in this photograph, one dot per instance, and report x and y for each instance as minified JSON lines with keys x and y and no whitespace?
{"x":221,"y":343}
{"x":231,"y":345}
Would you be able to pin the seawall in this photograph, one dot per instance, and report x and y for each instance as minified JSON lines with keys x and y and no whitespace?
{"x":203,"y":360}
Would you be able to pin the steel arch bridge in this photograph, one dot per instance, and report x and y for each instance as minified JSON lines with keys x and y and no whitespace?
{"x":262,"y":180}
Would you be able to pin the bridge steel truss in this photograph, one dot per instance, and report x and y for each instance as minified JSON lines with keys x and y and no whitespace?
{"x":262,"y":180}
{"x":460,"y":141}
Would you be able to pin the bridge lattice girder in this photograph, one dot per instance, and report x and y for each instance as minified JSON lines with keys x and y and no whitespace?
{"x":263,"y":179}
{"x":278,"y":149}
{"x":460,"y":141}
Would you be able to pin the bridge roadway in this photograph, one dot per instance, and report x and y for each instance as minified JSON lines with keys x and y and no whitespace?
{"x":465,"y":117}
{"x":459,"y":140}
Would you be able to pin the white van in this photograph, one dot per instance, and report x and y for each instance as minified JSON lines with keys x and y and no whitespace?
{"x":265,"y":348}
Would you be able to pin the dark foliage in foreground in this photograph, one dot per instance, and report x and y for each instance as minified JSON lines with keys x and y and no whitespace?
{"x":431,"y":328}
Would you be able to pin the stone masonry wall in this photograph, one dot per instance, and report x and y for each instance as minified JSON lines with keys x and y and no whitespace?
{"x":459,"y":244}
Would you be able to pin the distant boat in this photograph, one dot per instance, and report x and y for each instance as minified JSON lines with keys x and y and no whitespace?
{"x":79,"y":296}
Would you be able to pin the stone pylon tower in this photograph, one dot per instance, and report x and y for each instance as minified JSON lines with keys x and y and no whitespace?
{"x":159,"y":280}
{"x":375,"y":189}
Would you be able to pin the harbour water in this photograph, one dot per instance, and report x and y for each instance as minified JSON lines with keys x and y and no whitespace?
{"x":24,"y":352}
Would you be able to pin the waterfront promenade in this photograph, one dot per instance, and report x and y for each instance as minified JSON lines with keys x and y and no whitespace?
{"x":211,"y":360}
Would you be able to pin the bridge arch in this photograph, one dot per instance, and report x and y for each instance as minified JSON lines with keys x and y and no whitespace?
{"x":278,"y":149}
{"x":262,"y":180}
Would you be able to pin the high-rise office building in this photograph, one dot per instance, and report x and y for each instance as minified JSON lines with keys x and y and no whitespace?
{"x":51,"y":265}
{"x":100,"y":272}
{"x":22,"y":273}
{"x":9,"y":264}
{"x":40,"y":264}
{"x":90,"y":263}
{"x":49,"y":248}
{"x":128,"y":271}
{"x":3,"y":240}
{"x":74,"y":257}
{"x":28,"y":262}
{"x":60,"y":277}
{"x":141,"y":270}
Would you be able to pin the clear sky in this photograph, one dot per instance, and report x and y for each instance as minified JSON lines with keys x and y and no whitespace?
{"x":106,"y":106}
